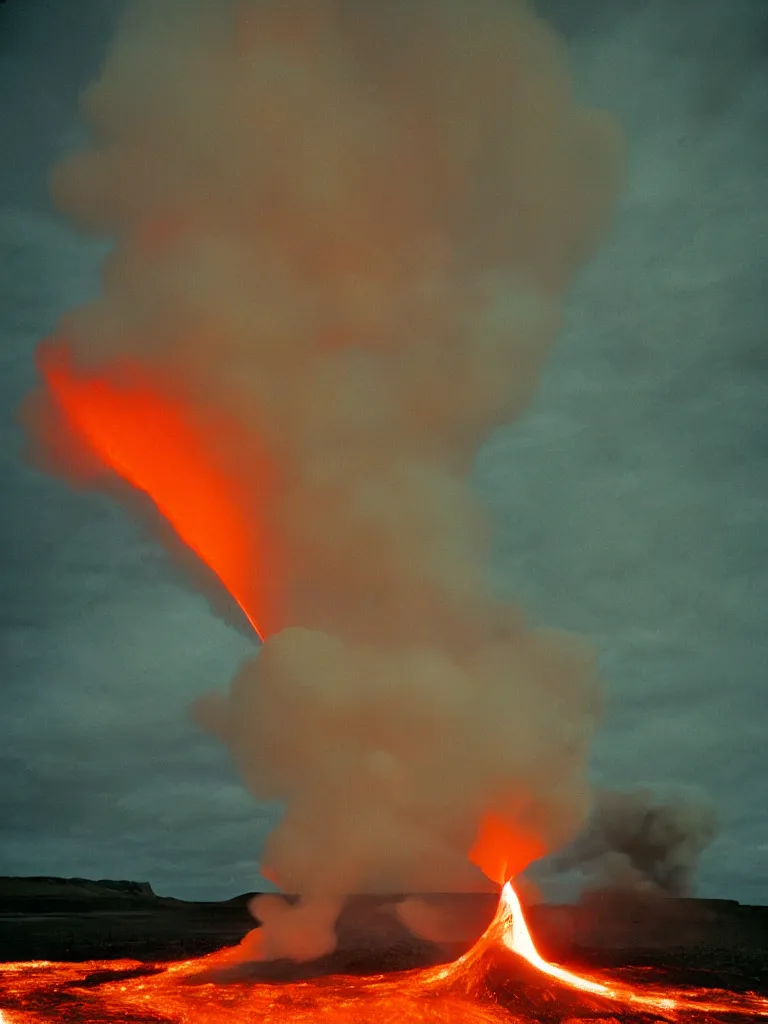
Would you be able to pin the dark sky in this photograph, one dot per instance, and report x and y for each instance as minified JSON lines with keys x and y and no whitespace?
{"x":630,"y":503}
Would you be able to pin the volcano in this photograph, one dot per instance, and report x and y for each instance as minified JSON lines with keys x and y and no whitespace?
{"x":343,"y":234}
{"x":502,"y":979}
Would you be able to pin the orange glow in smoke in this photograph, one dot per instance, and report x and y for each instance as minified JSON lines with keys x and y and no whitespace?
{"x":502,"y":852}
{"x":152,"y":442}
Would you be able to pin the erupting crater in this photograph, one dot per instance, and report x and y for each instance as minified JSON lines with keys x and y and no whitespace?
{"x":502,"y":979}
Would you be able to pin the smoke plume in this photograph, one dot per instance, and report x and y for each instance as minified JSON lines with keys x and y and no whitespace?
{"x":644,"y":840}
{"x":343,"y":232}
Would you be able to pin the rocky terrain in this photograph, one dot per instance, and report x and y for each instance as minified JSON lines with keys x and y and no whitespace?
{"x":708,"y":942}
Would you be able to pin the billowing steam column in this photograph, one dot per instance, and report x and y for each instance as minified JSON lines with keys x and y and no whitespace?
{"x":342,"y":235}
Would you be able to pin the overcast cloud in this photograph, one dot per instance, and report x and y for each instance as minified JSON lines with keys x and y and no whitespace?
{"x":630,"y":502}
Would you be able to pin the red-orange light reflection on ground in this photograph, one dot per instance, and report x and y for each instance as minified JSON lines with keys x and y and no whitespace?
{"x":456,"y":993}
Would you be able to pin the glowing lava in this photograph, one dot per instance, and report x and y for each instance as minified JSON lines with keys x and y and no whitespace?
{"x":466,"y":991}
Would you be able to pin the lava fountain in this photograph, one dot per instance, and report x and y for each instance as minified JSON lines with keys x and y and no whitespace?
{"x":343,"y":233}
{"x":501,"y":980}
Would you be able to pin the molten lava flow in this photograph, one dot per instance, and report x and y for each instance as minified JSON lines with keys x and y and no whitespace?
{"x":151,"y":441}
{"x":462,"y":992}
{"x":517,"y":937}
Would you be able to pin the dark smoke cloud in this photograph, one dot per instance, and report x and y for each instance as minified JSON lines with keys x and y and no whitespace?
{"x":644,"y":839}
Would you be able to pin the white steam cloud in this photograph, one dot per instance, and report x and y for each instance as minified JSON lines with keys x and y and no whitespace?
{"x":349,"y":226}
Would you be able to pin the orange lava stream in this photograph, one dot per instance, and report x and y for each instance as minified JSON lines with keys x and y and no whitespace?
{"x":516,"y":936}
{"x":456,"y":993}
